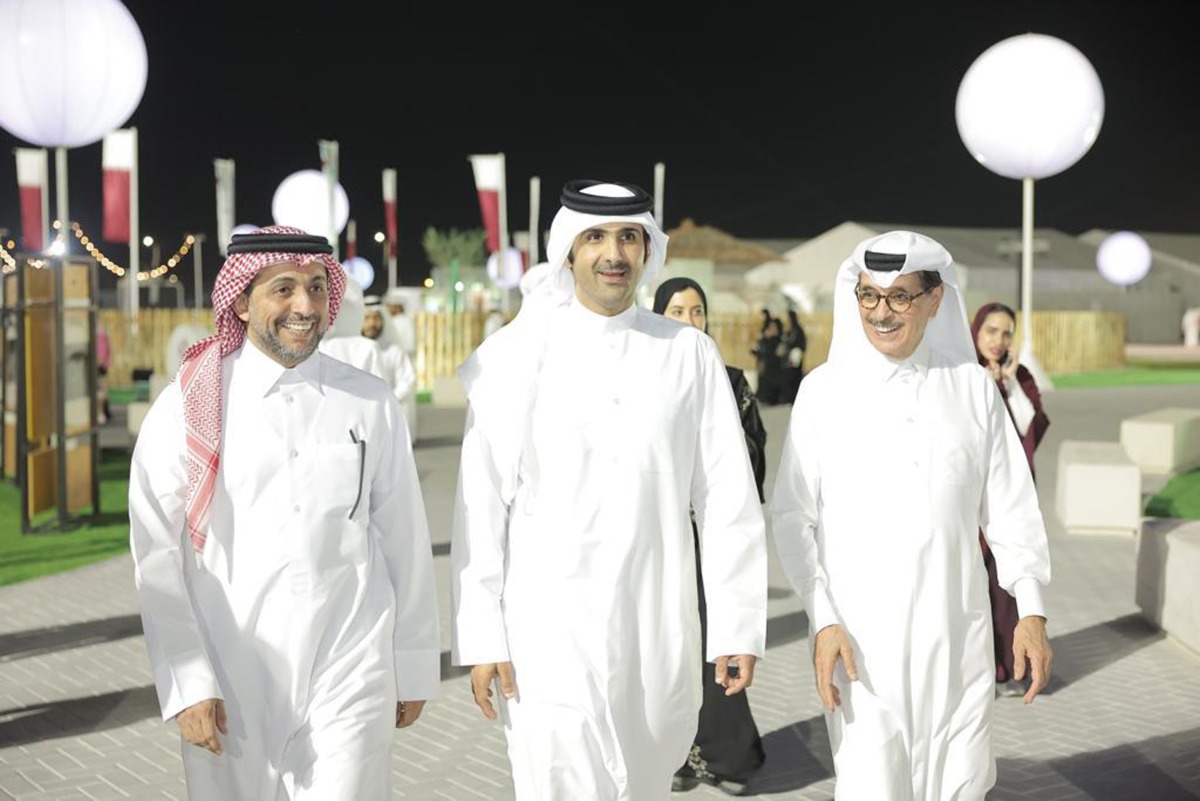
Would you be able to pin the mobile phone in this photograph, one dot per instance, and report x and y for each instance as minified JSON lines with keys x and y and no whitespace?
{"x":1007,"y":356}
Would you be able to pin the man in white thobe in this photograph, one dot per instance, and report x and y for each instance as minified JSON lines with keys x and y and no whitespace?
{"x":593,"y":427}
{"x":281,"y":552}
{"x":398,"y":369}
{"x":899,"y":450}
{"x":345,"y":341}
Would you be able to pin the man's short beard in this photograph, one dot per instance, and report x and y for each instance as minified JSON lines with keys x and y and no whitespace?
{"x":283,"y":354}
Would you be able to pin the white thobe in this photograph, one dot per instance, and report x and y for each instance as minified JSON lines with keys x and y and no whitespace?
{"x":315,"y":608}
{"x":888,"y":473}
{"x":587,"y":582}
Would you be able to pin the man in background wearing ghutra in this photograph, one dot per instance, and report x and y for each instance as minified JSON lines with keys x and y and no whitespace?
{"x":594,"y":426}
{"x":281,"y":552}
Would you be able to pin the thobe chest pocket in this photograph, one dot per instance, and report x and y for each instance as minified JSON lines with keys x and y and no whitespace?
{"x":341,"y":471}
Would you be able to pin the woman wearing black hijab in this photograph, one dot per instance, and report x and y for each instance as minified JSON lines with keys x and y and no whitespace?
{"x":727,"y":748}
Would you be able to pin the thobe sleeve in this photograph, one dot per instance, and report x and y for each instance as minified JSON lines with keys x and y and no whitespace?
{"x":729,"y":519}
{"x":1011,"y":520}
{"x":183,"y":672}
{"x":794,"y":505}
{"x":399,"y":524}
{"x":478,"y":541}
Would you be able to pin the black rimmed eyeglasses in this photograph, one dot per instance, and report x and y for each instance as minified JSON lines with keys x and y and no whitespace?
{"x":898,"y":301}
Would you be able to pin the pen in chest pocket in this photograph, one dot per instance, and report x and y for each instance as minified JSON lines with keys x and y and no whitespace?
{"x":362,"y":464}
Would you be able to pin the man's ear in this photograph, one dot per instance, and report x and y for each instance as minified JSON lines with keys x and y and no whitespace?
{"x":241,"y":307}
{"x":936,"y":296}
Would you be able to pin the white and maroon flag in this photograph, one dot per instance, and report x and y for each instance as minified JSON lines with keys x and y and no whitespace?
{"x":32,"y":180}
{"x":119,"y":159}
{"x":489,"y":183}
{"x":389,"y":210}
{"x":224,"y":171}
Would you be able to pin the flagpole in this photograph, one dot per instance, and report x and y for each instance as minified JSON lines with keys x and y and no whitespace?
{"x":197,"y":273}
{"x":45,"y":190}
{"x":535,"y":192}
{"x":60,"y":194}
{"x":660,"y":173}
{"x":503,"y":208}
{"x":134,"y":237}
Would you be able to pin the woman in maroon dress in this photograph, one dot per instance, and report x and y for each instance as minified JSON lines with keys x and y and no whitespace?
{"x":992,"y":331}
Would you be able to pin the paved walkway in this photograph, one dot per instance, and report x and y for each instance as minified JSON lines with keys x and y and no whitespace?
{"x":1121,"y":720}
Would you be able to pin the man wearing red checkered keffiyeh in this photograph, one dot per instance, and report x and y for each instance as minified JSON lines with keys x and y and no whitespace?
{"x":281,"y":550}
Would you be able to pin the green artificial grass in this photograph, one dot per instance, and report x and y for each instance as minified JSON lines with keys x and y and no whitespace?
{"x":1180,"y":498}
{"x":1132,"y":376}
{"x":90,"y":539}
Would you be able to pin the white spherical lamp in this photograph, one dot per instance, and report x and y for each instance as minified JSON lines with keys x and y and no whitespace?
{"x":507,"y":273}
{"x":1029,"y":107}
{"x":73,"y":70}
{"x":302,"y":200}
{"x":243,"y":228}
{"x":1124,"y":258}
{"x":360,"y":270}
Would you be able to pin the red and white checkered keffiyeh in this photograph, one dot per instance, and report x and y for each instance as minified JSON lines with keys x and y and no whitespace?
{"x":200,"y":370}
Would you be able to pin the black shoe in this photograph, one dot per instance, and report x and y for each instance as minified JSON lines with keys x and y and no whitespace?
{"x":682,"y":782}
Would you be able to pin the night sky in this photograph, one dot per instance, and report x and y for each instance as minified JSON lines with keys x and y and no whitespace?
{"x":776,"y":126}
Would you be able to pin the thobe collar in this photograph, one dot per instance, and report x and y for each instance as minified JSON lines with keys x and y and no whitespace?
{"x":263,"y":374}
{"x":884,"y":369}
{"x":582,"y":320}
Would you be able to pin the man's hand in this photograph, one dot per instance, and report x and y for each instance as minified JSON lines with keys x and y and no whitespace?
{"x":200,"y":722}
{"x":481,"y":685}
{"x":407,"y":713}
{"x":832,"y":644}
{"x":735,"y":673}
{"x":1030,"y":642}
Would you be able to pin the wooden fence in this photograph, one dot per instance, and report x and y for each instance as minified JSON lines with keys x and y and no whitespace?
{"x":1068,"y":341}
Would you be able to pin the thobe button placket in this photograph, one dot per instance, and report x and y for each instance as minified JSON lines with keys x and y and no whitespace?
{"x":289,"y":399}
{"x":296,"y":509}
{"x":295,"y":454}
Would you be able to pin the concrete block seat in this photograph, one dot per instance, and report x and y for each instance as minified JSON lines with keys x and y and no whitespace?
{"x":1099,"y":488}
{"x":1168,"y":577}
{"x":1163,"y":441}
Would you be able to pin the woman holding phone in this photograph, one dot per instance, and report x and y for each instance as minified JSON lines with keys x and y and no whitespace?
{"x":993,"y":330}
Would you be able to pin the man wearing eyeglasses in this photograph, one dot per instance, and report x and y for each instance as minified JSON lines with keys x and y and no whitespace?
{"x":899,"y":450}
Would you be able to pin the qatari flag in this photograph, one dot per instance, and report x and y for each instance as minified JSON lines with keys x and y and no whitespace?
{"x":119,"y":157}
{"x":389,"y":209}
{"x":32,"y":180}
{"x":489,"y":183}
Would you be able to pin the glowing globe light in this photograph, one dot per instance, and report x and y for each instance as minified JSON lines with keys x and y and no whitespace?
{"x":360,"y":270}
{"x":508,"y":274}
{"x":73,"y":71}
{"x":302,"y":200}
{"x":1030,"y":106}
{"x":1124,"y":258}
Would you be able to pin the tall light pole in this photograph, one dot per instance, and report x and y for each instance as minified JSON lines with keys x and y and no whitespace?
{"x":381,"y":238}
{"x":197,"y":240}
{"x":155,"y":257}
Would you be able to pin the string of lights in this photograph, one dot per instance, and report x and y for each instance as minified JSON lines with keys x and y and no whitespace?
{"x":8,"y":263}
{"x":143,"y":275}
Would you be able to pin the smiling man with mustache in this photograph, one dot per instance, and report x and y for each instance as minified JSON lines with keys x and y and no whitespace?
{"x":281,"y":552}
{"x":899,"y":452}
